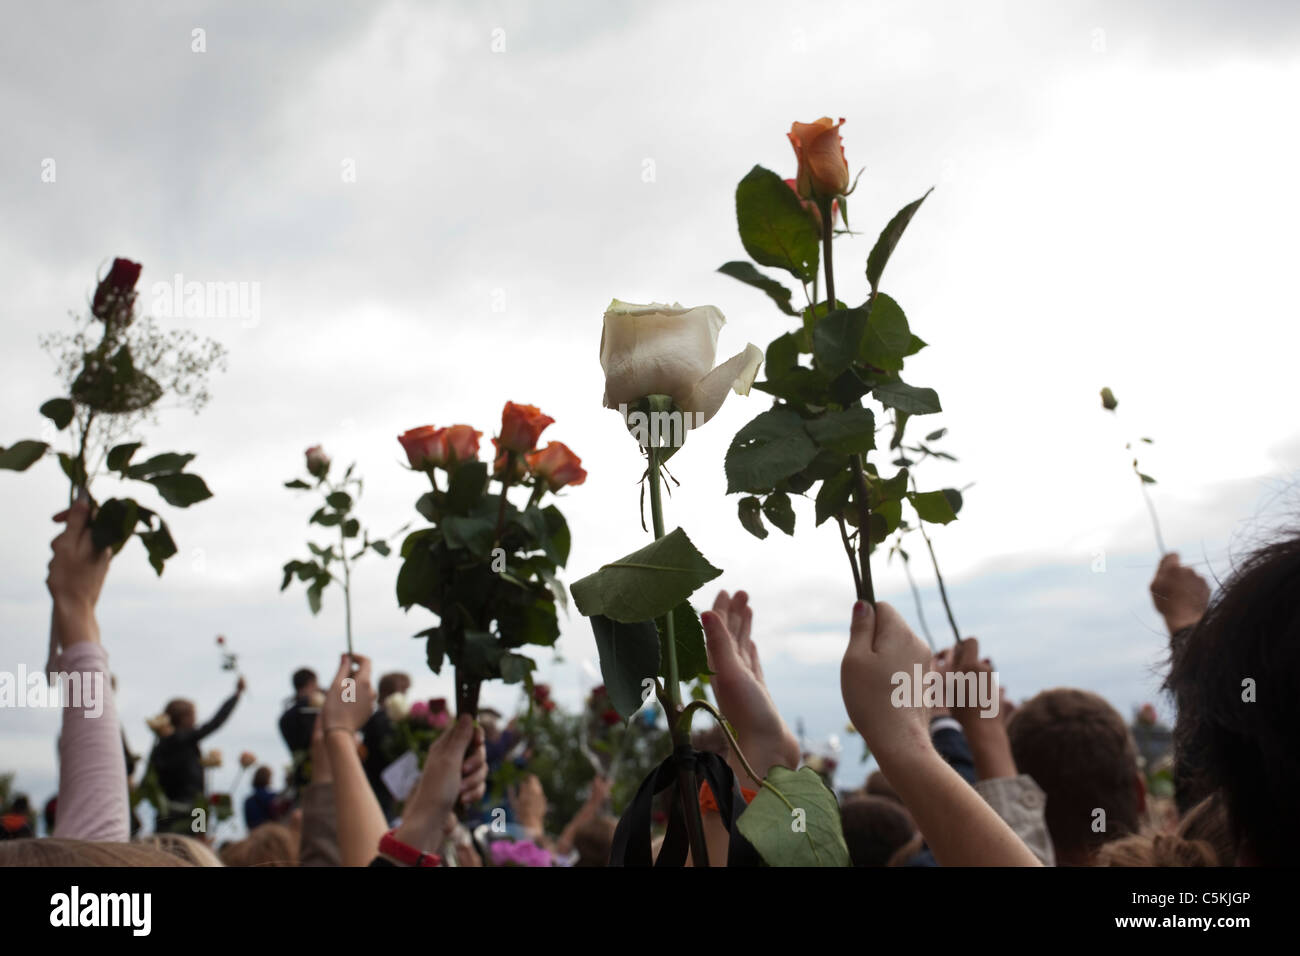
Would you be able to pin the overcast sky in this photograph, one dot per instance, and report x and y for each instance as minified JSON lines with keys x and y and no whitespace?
{"x":1116,"y":204}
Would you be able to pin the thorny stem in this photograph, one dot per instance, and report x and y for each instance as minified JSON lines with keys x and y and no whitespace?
{"x":853,"y":561}
{"x":916,"y":596}
{"x":866,"y":588}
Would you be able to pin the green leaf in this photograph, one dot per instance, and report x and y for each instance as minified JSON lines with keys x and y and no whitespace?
{"x":629,"y":655}
{"x":533,"y":623}
{"x":113,"y":523}
{"x":21,"y":455}
{"x":900,"y":426}
{"x":887,"y":339}
{"x":779,"y":511}
{"x":1146,"y":479}
{"x":381,"y":547}
{"x":746,"y":273}
{"x":848,"y":432}
{"x":325,"y":518}
{"x":467,"y":484}
{"x":688,"y":639}
{"x":339,"y":500}
{"x":60,"y":411}
{"x":119,"y":457}
{"x":351,"y":528}
{"x":774,"y":228}
{"x":795,"y":821}
{"x":837,"y":339}
{"x":114,"y":385}
{"x":898,"y":395}
{"x":296,"y":483}
{"x":647,"y":583}
{"x":314,"y":594}
{"x":182,"y":489}
{"x":751,"y":516}
{"x":159,"y":545}
{"x":782,"y":356}
{"x":954,"y":499}
{"x":884,"y":247}
{"x":165,"y":464}
{"x":435,"y":649}
{"x":515,"y":667}
{"x":936,"y":435}
{"x":558,"y":538}
{"x":933,"y":506}
{"x":419,"y":577}
{"x":480,"y":656}
{"x":773,"y":446}
{"x":833,"y":496}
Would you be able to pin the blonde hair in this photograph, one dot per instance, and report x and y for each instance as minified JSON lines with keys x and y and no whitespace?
{"x":53,"y":851}
{"x":192,"y":851}
{"x":271,"y":844}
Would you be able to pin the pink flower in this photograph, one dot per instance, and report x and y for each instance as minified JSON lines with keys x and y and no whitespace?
{"x":419,"y":713}
{"x":439,"y":716}
{"x":519,"y":853}
{"x":318,"y":462}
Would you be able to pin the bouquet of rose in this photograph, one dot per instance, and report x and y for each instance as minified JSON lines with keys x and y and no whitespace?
{"x":486,"y":566}
{"x":416,"y":725}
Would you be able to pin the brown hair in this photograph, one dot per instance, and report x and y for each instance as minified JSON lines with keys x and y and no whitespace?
{"x":1079,"y":750}
{"x":271,"y":844}
{"x":875,"y":828}
{"x":53,"y":851}
{"x":262,"y":777}
{"x":594,"y":841}
{"x":180,"y":712}
{"x":395,"y":683}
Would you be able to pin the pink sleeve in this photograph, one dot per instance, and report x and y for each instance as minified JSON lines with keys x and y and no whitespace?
{"x":92,"y":766}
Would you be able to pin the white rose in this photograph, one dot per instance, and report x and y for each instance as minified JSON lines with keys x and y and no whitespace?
{"x":396,"y":706}
{"x":668,"y":350}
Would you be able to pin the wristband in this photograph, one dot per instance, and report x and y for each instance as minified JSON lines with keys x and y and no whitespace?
{"x":405,"y":854}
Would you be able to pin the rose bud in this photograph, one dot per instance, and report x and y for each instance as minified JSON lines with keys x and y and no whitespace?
{"x":396,"y":706}
{"x":541,"y":692}
{"x":247,"y":759}
{"x":547,"y":705}
{"x":1108,"y":401}
{"x":521,"y":426}
{"x":557,"y":466}
{"x":611,"y":717}
{"x":211,"y":759}
{"x":1147,"y":715}
{"x":462,"y":443}
{"x":823,"y":170}
{"x":220,"y":639}
{"x":116,"y":291}
{"x":426,"y":447}
{"x":318,"y":463}
{"x":419,"y":713}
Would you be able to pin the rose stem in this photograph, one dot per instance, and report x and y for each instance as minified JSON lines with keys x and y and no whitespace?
{"x":687,"y":787}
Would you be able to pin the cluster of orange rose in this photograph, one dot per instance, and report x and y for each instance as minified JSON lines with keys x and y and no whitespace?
{"x":516,"y":455}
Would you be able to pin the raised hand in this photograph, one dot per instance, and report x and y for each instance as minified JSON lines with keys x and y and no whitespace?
{"x":351,"y":698}
{"x":741,"y":691}
{"x":1179,"y":593}
{"x":454,"y":770}
{"x":76,"y":576}
{"x":880,"y":646}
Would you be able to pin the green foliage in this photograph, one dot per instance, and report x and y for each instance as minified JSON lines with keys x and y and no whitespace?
{"x":795,"y":821}
{"x":647,"y":583}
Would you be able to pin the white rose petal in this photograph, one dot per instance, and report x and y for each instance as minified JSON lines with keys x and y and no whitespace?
{"x":397,"y":706}
{"x":659,"y":349}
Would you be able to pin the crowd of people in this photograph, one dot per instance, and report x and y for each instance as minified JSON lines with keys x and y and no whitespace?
{"x":1058,"y":779}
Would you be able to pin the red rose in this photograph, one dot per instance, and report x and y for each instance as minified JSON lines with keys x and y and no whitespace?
{"x":611,"y":717}
{"x":116,"y":291}
{"x":426,"y":447}
{"x":437,"y":705}
{"x":823,"y":169}
{"x":521,"y":426}
{"x":462,"y":443}
{"x":548,"y":705}
{"x":220,"y":639}
{"x":557,"y":466}
{"x":541,"y":692}
{"x":318,"y":462}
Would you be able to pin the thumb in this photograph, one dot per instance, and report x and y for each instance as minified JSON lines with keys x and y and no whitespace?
{"x":863,"y":624}
{"x":458,"y":737}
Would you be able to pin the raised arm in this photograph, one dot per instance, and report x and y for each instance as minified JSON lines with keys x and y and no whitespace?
{"x":92,"y":767}
{"x":961,"y":829}
{"x":222,"y":715}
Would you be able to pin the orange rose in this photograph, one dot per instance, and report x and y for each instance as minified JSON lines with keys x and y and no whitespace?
{"x":500,"y":461}
{"x":557,"y":466}
{"x":521,"y":426}
{"x":823,"y":170}
{"x":462,"y":442}
{"x":426,"y":447}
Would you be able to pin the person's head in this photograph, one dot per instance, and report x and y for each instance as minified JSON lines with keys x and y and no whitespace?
{"x":262,"y":777}
{"x":594,"y":841}
{"x":271,"y":844}
{"x":187,"y":849}
{"x":1234,"y":679}
{"x":304,"y":682}
{"x":1079,"y":750}
{"x":181,"y":713}
{"x":878,"y":786}
{"x":20,"y":804}
{"x":52,"y":851}
{"x":390,"y":684}
{"x":1202,"y":838}
{"x":874,"y":829}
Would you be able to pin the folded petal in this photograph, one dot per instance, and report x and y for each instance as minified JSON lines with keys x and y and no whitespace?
{"x":736,"y":373}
